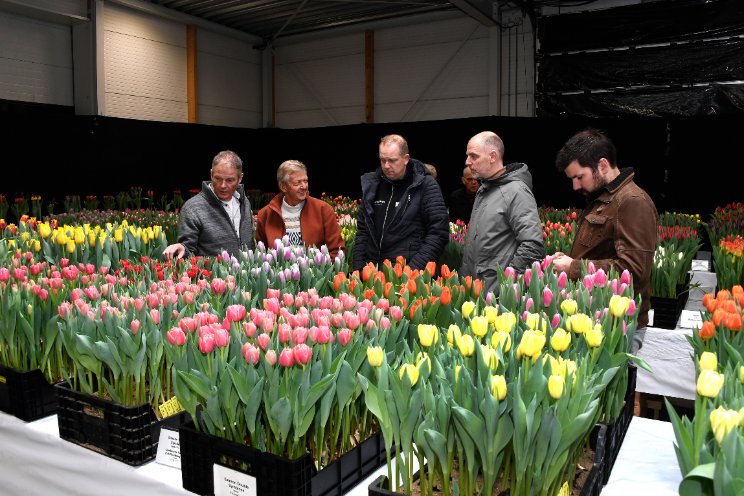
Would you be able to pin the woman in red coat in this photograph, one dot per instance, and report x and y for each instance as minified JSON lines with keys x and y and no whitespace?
{"x":293,"y":212}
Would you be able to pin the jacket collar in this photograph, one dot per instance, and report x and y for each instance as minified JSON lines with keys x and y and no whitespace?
{"x":625,"y":176}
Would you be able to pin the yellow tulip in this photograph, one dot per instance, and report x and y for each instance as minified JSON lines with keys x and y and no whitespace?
{"x":569,"y":306}
{"x":92,"y":239}
{"x":491,"y":313}
{"x":458,"y":368}
{"x":61,"y":237}
{"x":119,"y":235}
{"x":502,"y":339}
{"x":37,"y":245}
{"x":70,"y":246}
{"x":11,"y":243}
{"x":709,"y":383}
{"x":741,"y":374}
{"x":498,"y":386}
{"x":79,"y":236}
{"x":25,"y":235}
{"x":467,"y":309}
{"x":453,"y":334}
{"x":428,"y":334}
{"x":619,"y":305}
{"x":536,"y":322}
{"x":556,"y":384}
{"x":531,"y":344}
{"x":565,"y":490}
{"x":505,"y":322}
{"x":490,"y":357}
{"x":44,"y":230}
{"x":423,"y":358}
{"x":708,"y":361}
{"x":560,"y":340}
{"x":579,"y":323}
{"x":411,"y":371}
{"x":479,"y":325}
{"x":594,"y":336}
{"x":375,"y":355}
{"x":466,"y":345}
{"x":723,"y":421}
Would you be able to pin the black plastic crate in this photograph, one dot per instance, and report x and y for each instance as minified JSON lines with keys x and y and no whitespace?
{"x":275,"y":476}
{"x":592,"y":484}
{"x":668,"y":310}
{"x":128,"y":434}
{"x":616,"y":431}
{"x":26,"y":395}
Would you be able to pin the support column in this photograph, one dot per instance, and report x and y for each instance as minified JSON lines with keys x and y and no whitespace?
{"x":191,"y":99}
{"x":369,"y":77}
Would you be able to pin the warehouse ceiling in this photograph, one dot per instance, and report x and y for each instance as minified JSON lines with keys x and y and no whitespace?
{"x":273,"y":19}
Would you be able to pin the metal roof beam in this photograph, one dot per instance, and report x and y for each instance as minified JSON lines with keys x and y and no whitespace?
{"x":482,"y":11}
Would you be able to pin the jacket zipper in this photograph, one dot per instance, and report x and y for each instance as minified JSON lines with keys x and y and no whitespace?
{"x":384,"y":220}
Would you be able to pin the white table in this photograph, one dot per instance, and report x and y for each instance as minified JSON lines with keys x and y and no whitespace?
{"x":646,"y":463}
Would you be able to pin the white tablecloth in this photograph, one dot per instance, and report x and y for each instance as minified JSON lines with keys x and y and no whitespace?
{"x":646,"y":463}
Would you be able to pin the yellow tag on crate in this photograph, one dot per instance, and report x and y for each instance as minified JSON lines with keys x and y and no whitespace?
{"x":170,"y":407}
{"x":2,"y":379}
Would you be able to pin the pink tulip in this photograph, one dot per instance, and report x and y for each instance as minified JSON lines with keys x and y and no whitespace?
{"x":273,"y":293}
{"x":383,"y":304}
{"x":235,"y":313}
{"x":267,"y":323}
{"x":92,"y":293}
{"x":263,"y":341}
{"x":337,"y":320}
{"x":623,"y":288}
{"x":588,"y":282}
{"x":287,"y":299}
{"x":218,"y":286}
{"x":556,"y":320}
{"x":527,"y":276}
{"x":286,"y":358}
{"x":134,"y":326}
{"x":547,"y":296}
{"x":337,"y":306}
{"x":221,"y":337}
{"x":63,"y":262}
{"x":371,"y":324}
{"x":272,"y":305}
{"x":76,"y":294}
{"x":396,"y":313}
{"x":43,"y":294}
{"x":284,"y":332}
{"x":600,"y":278}
{"x":631,"y":308}
{"x":614,"y":286}
{"x":155,"y":314}
{"x":302,"y":353}
{"x":349,"y":302}
{"x":363,"y":314}
{"x":249,"y":328}
{"x":176,"y":336}
{"x":152,"y":300}
{"x":345,"y":335}
{"x":625,"y":277}
{"x":510,"y":273}
{"x":384,"y":323}
{"x":529,"y":304}
{"x":188,"y":297}
{"x":251,"y":354}
{"x":187,"y":324}
{"x":326,"y":302}
{"x":139,"y":303}
{"x":4,"y":275}
{"x":353,"y":320}
{"x":323,"y":335}
{"x":299,"y":335}
{"x":206,"y":343}
{"x":562,"y":279}
{"x":271,"y":357}
{"x":64,"y":310}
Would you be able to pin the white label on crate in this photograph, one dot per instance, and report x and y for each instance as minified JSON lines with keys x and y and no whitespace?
{"x":169,"y":448}
{"x":700,"y":265}
{"x":229,"y":482}
{"x":690,"y":319}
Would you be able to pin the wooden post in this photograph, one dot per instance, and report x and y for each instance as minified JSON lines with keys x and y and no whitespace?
{"x":191,"y":73}
{"x":369,"y":77}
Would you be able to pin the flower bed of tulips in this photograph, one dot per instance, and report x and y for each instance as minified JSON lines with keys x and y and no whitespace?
{"x":676,"y":247}
{"x":728,"y":263}
{"x":710,"y":446}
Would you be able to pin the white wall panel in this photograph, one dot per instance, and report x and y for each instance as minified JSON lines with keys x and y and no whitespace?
{"x":144,"y":66}
{"x":228,"y":81}
{"x":35,"y":61}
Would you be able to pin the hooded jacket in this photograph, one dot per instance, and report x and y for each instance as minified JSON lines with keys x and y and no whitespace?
{"x":417,"y":227}
{"x":505,"y":227}
{"x":618,"y":228}
{"x":204,"y":228}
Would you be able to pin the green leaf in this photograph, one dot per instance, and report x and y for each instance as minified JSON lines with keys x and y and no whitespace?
{"x":281,"y":413}
{"x":699,"y":482}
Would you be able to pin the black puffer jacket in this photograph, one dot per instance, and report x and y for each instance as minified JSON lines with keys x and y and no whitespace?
{"x":418,"y":228}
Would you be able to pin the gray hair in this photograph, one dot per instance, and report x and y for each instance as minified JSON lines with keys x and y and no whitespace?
{"x":230,"y":158}
{"x":287,"y":168}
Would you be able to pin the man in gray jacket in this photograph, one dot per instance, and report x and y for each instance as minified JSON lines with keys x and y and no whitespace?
{"x":504,"y":227}
{"x":219,"y":217}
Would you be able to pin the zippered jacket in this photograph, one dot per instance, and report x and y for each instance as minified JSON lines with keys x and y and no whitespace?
{"x":504,"y":228}
{"x":204,"y":228}
{"x":417,"y":228}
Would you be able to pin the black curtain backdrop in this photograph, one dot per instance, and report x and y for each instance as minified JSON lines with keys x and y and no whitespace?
{"x":686,"y":164}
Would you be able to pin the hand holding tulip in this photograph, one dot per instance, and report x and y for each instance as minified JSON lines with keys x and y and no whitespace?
{"x":561,"y":262}
{"x":174,"y":251}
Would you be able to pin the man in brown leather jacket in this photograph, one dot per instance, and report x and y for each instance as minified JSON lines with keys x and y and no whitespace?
{"x":618,"y":225}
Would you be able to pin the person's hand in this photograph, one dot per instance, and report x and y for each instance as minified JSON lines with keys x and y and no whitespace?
{"x":561,"y":262}
{"x":174,"y":252}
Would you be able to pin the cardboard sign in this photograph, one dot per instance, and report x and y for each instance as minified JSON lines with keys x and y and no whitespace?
{"x":690,"y":319}
{"x":229,"y":482}
{"x":169,"y":448}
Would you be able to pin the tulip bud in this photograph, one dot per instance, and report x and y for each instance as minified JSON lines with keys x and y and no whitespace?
{"x":594,"y":336}
{"x":466,"y":345}
{"x":423,"y":358}
{"x":491,"y":313}
{"x":741,"y":374}
{"x":453,"y":333}
{"x":505,"y":322}
{"x":560,"y":340}
{"x":556,"y":384}
{"x":531,"y":344}
{"x":498,"y":386}
{"x":411,"y":371}
{"x":579,"y":323}
{"x":709,"y":383}
{"x":428,"y":334}
{"x":708,"y":361}
{"x":723,"y":421}
{"x":375,"y":356}
{"x":501,"y":339}
{"x":479,"y":326}
{"x":619,"y":305}
{"x":536,"y":322}
{"x":467,"y":309}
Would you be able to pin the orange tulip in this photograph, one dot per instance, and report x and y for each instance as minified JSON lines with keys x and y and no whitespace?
{"x":431,"y":267}
{"x":369,"y":293}
{"x":729,"y":306}
{"x":468,"y":281}
{"x":446,"y":273}
{"x":398,"y":270}
{"x":403,"y":303}
{"x":386,"y":291}
{"x":707,"y":331}
{"x":352,"y":284}
{"x":400,"y":260}
{"x":367,"y":272}
{"x":446,"y":297}
{"x":737,"y":290}
{"x":379,"y":275}
{"x":718,"y":315}
{"x":710,"y":302}
{"x":412,"y":286}
{"x":733,"y":322}
{"x":478,"y":287}
{"x":723,"y":294}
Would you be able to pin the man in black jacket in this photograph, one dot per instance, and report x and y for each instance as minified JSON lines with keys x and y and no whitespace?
{"x":402,"y":211}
